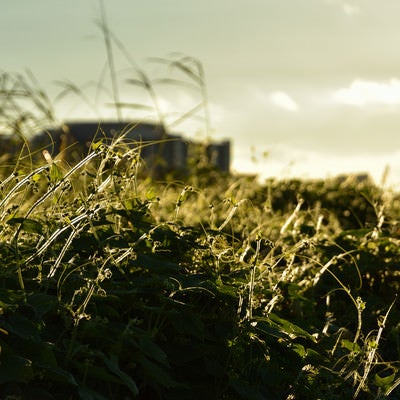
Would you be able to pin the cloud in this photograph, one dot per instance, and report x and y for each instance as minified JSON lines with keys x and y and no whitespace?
{"x":283,"y":100}
{"x":351,"y":10}
{"x":347,"y":7}
{"x":285,"y":161}
{"x":362,"y":93}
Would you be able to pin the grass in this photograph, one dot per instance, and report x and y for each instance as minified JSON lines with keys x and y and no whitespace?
{"x":117,"y":286}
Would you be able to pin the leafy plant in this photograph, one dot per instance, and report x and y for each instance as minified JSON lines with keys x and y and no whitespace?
{"x":114,"y":285}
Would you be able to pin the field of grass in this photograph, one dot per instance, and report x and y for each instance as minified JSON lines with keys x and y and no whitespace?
{"x":114,"y":286}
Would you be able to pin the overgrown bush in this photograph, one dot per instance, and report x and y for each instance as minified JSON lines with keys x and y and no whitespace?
{"x":115,"y":286}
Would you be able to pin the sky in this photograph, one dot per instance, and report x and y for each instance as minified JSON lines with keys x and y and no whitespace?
{"x":303,"y":88}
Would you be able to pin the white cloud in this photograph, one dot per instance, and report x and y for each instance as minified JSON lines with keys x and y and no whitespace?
{"x":286,"y":161}
{"x":348,"y":7}
{"x":361,"y":93}
{"x":351,"y":10}
{"x":283,"y":100}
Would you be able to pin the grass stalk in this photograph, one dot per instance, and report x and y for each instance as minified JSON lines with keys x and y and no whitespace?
{"x":110,"y":59}
{"x":373,"y":345}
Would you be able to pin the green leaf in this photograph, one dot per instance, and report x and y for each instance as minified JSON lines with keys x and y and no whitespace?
{"x":36,"y":178}
{"x":291,"y":329}
{"x":98,"y":373}
{"x":96,"y":145}
{"x":300,"y":350}
{"x":27,"y":224}
{"x":157,"y":374}
{"x":112,"y":365}
{"x":229,"y":290}
{"x":59,"y":375}
{"x":385,"y":381}
{"x":42,"y":303}
{"x":14,"y":368}
{"x":150,"y":349}
{"x":246,"y":390}
{"x":41,"y":353}
{"x":55,"y":173}
{"x":264,"y":326}
{"x":86,"y":393}
{"x":351,"y":346}
{"x":157,"y":265}
{"x":22,"y":326}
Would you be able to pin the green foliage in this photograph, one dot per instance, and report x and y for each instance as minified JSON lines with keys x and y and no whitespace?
{"x":118,"y":287}
{"x":114,"y":286}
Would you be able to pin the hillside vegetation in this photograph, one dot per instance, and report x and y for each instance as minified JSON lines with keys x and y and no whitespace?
{"x":114,"y":286}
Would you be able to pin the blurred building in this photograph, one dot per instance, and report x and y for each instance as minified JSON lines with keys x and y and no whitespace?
{"x":355,"y":178}
{"x":7,"y":143}
{"x":160,"y":150}
{"x":219,"y":155}
{"x":10,"y":147}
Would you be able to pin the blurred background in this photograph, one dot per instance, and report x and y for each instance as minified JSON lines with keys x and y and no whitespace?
{"x":302,"y":88}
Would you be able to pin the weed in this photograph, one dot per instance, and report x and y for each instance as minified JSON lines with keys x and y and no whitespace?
{"x":115,"y":285}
